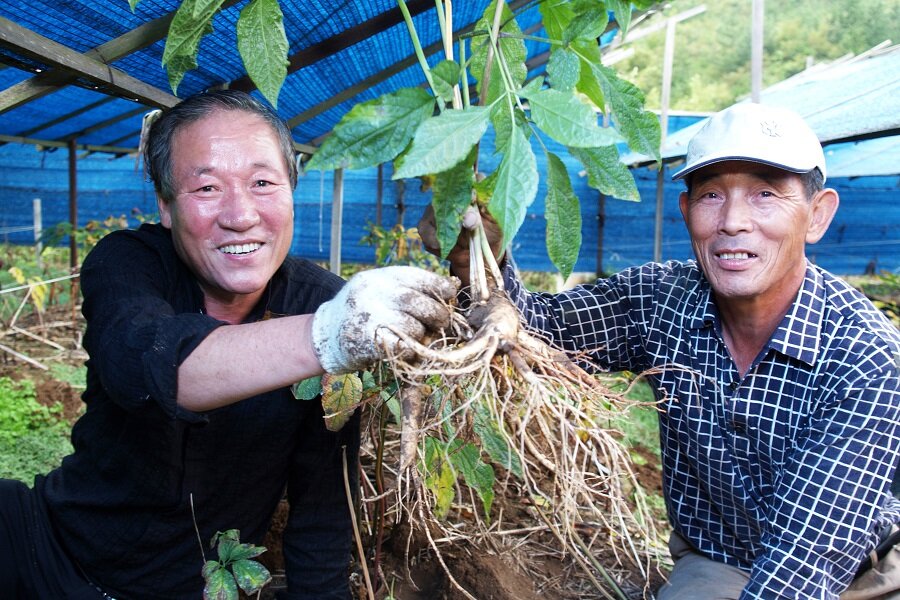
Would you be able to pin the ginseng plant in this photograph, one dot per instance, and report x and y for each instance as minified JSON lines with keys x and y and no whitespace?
{"x":490,"y":406}
{"x":489,"y":393}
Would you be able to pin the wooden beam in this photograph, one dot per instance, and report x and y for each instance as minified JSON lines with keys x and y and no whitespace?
{"x":16,"y":139}
{"x":36,"y":47}
{"x":45,"y":83}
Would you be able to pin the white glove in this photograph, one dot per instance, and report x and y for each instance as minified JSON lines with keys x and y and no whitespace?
{"x":350,"y":331}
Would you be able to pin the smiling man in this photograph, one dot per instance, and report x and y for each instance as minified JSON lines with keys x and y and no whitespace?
{"x":779,"y":384}
{"x":196,"y":329}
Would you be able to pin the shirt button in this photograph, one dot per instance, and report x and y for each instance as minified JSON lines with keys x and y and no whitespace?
{"x":734,"y":385}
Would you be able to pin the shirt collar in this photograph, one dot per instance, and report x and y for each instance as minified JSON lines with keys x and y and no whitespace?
{"x":799,"y":333}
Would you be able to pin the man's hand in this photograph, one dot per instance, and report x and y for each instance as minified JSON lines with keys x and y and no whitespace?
{"x":459,"y":254}
{"x":351,"y":331}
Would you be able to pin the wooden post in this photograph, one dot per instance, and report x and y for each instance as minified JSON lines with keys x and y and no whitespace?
{"x":379,"y":195}
{"x":337,"y":213}
{"x":756,"y":50}
{"x":668,"y":59}
{"x":73,"y":205}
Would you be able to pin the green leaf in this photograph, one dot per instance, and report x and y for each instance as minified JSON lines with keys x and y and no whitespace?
{"x":622,"y":13}
{"x":133,"y":4}
{"x":556,"y":16}
{"x":191,"y":22}
{"x":512,"y":52}
{"x":375,"y":131}
{"x":440,"y":478}
{"x":588,"y":24}
{"x":487,"y":428}
{"x":341,"y":394}
{"x":640,"y":128}
{"x":563,"y":69}
{"x":308,"y":388}
{"x":607,"y":173}
{"x":452,"y":195}
{"x":263,"y":46}
{"x":445,"y":75}
{"x":568,"y":120}
{"x":250,"y":575}
{"x":478,"y":475}
{"x":226,"y":550}
{"x":505,"y":117}
{"x":443,"y":141}
{"x":563,"y":213}
{"x":220,"y":585}
{"x":515,"y":186}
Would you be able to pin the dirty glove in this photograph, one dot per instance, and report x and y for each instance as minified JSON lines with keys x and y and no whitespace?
{"x":350,"y":332}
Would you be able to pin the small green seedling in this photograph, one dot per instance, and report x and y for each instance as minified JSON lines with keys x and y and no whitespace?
{"x":235,"y":568}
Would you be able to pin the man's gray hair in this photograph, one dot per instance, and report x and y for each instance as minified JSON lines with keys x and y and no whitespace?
{"x":158,"y":151}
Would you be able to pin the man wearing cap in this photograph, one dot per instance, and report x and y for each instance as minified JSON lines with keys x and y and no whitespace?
{"x":779,"y":384}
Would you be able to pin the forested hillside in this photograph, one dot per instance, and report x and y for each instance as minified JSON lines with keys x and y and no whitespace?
{"x":712,"y":50}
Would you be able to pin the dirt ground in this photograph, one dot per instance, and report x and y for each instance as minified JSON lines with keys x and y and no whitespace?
{"x":524,"y":566}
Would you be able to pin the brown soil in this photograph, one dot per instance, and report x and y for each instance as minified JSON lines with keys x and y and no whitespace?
{"x":528,"y":566}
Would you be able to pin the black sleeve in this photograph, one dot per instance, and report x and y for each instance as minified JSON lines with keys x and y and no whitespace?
{"x":138,"y":332}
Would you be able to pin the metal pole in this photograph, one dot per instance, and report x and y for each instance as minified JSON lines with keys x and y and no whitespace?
{"x":38,"y":232}
{"x":337,"y":213}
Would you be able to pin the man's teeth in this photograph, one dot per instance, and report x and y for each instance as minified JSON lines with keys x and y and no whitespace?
{"x":734,"y":255}
{"x":240,"y":248}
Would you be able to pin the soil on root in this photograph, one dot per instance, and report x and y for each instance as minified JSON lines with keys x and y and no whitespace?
{"x":521,"y":566}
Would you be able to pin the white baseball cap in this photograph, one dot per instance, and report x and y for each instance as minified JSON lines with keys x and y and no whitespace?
{"x":757,"y":133}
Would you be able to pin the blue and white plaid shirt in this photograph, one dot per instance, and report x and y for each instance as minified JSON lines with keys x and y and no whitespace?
{"x":784,"y":472}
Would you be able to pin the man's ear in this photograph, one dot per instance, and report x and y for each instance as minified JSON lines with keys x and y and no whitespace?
{"x":165,"y":212}
{"x":683,"y":205}
{"x":824,"y":206}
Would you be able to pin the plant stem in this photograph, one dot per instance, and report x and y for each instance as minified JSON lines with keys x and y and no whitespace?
{"x":359,"y":546}
{"x":495,"y":30}
{"x":423,"y":63}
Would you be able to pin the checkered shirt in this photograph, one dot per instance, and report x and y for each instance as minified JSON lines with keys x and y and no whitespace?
{"x":784,"y":472}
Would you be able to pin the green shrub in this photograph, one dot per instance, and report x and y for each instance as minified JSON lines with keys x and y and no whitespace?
{"x":33,"y":438}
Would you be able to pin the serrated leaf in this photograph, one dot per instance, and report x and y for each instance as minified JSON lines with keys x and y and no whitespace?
{"x":568,"y":120}
{"x":556,"y":16}
{"x":511,"y":51}
{"x":588,"y":24}
{"x":626,"y":102}
{"x":308,"y":388}
{"x":209,"y":568}
{"x":607,"y":173}
{"x":226,"y":549}
{"x":263,"y":46}
{"x":452,"y":195}
{"x":375,"y":131}
{"x":563,"y":213}
{"x":250,"y":575}
{"x":505,"y":117}
{"x":563,"y":69}
{"x":515,"y":186}
{"x":477,"y":474}
{"x":622,"y":13}
{"x":341,"y":394}
{"x":493,"y":441}
{"x":191,"y":22}
{"x":440,"y":478}
{"x":443,"y":141}
{"x":220,"y":585}
{"x":445,"y":75}
{"x":246,"y":551}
